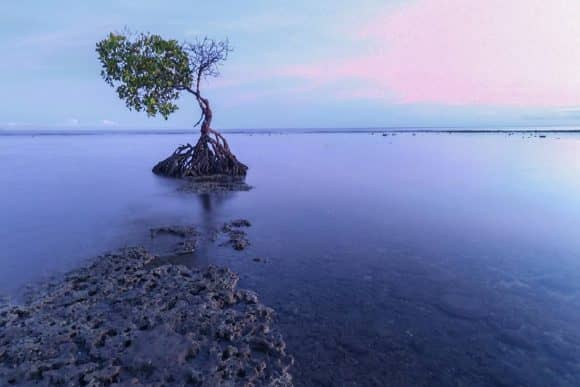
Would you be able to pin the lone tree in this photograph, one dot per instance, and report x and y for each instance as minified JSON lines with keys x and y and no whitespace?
{"x":150,"y":73}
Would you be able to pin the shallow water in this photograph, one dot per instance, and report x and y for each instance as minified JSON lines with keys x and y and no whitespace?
{"x":435,"y":259}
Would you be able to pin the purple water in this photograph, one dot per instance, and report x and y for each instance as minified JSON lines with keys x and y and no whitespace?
{"x":435,"y":259}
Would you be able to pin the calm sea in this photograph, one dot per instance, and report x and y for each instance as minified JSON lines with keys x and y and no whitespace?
{"x":432,"y":259}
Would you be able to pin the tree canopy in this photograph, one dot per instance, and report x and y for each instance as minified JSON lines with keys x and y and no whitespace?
{"x":149,"y":72}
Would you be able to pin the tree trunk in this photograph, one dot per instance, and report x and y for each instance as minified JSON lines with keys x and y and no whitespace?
{"x":211,"y":156}
{"x":207,"y":115}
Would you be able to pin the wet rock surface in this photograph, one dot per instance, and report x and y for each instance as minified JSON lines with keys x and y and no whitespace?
{"x":126,"y":320}
{"x":180,"y":231}
{"x":238,"y":238}
{"x":184,"y":240}
{"x":188,"y":237}
{"x":186,"y":247}
{"x":237,"y":223}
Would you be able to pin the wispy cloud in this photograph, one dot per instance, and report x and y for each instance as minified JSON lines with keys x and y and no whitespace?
{"x":490,"y":52}
{"x":46,"y":49}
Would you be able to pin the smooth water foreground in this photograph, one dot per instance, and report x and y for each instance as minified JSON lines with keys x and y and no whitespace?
{"x":427,"y":260}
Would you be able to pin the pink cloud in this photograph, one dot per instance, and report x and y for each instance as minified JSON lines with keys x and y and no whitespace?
{"x":492,"y":52}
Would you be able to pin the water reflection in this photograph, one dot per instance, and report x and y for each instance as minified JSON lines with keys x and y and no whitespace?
{"x":209,"y":226}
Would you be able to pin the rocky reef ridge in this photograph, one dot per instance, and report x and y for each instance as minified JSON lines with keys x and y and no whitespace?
{"x":126,"y":320}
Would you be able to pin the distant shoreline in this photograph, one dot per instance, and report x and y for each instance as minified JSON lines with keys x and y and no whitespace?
{"x":27,"y":132}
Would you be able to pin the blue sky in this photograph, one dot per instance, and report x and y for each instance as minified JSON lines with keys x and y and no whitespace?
{"x":296,"y":64}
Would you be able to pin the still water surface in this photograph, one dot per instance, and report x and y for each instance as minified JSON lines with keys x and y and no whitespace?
{"x":427,"y":260}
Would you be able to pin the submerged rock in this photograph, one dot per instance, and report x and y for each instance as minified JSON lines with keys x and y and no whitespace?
{"x":237,"y":238}
{"x":214,"y":184}
{"x":238,"y":223}
{"x":186,"y":247}
{"x":126,"y":320}
{"x":180,"y":231}
{"x":4,"y":302}
{"x":462,"y":306}
{"x":188,"y":236}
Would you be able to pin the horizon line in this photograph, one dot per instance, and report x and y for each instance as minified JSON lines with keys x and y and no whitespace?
{"x":371,"y":130}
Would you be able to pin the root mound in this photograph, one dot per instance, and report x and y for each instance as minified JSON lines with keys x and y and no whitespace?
{"x":210,"y":156}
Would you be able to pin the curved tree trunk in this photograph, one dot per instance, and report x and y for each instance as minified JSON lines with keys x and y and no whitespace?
{"x":211,"y":155}
{"x":207,"y":115}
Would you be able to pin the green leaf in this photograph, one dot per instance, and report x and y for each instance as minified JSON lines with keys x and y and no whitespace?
{"x":146,"y":70}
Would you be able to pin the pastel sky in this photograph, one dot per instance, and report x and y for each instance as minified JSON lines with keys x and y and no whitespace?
{"x":307,"y":64}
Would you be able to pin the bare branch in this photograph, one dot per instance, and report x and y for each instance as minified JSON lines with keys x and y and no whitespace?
{"x":206,"y":56}
{"x":200,"y":119}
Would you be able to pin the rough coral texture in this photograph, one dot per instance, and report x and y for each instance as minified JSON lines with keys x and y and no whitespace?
{"x":180,"y":231}
{"x":237,"y":237}
{"x":126,"y":321}
{"x":188,"y":235}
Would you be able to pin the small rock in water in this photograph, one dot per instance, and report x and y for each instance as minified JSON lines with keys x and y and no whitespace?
{"x":234,"y":224}
{"x":240,"y":223}
{"x":237,"y":238}
{"x":179,"y":231}
{"x":186,"y":247}
{"x":240,"y":244}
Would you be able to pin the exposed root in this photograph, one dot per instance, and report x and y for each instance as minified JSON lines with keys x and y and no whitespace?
{"x":210,"y":156}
